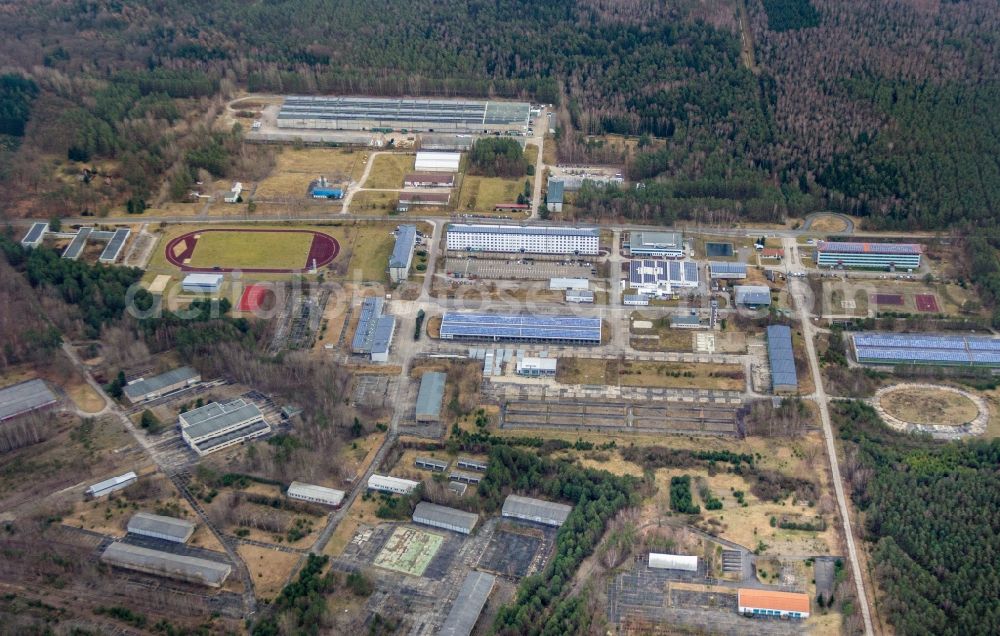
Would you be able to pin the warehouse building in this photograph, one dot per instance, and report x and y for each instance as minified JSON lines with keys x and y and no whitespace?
{"x":579,"y":297}
{"x":202,"y":283}
{"x":114,"y":246}
{"x":565,"y":284}
{"x":471,"y":464}
{"x":109,"y":486}
{"x":522,"y":239}
{"x":446,"y":141}
{"x":161,"y":527}
{"x":437,"y":162}
{"x":412,"y":115}
{"x":168,"y":564}
{"x":315,"y":494}
{"x":321,"y":188}
{"x":727,"y":271}
{"x":673,"y":562}
{"x":25,"y":397}
{"x":686,"y":321}
{"x":394,"y":485}
{"x":662,"y":278}
{"x":890,"y":256}
{"x":537,"y":510}
{"x":33,"y":238}
{"x":752,"y":296}
{"x":446,"y":518}
{"x":773,"y":603}
{"x":145,"y":389}
{"x":521,"y":328}
{"x":554,"y":195}
{"x":927,"y":349}
{"x":781,"y":359}
{"x":429,"y":180}
{"x":219,"y":425}
{"x":75,"y":247}
{"x":635,"y":300}
{"x":430,"y":396}
{"x":430,"y":463}
{"x":462,"y":477}
{"x":662,"y":244}
{"x":537,"y":367}
{"x":375,"y":331}
{"x":465,"y":610}
{"x":402,"y":253}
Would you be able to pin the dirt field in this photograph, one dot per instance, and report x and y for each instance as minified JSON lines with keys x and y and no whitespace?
{"x":828,"y":223}
{"x":296,"y":168}
{"x":388,"y":171}
{"x":269,"y":569}
{"x":409,"y":551}
{"x":651,"y":374}
{"x":483,"y":193}
{"x":380,"y":202}
{"x":927,"y":406}
{"x":360,"y":512}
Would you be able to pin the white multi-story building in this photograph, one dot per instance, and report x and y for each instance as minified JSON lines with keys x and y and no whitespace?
{"x":520,"y":239}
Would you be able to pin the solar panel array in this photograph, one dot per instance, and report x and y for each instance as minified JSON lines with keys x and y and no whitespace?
{"x":79,"y":241}
{"x":883,"y":348}
{"x":868,"y":248}
{"x":115,"y":245}
{"x":466,"y":113}
{"x":781,"y":357}
{"x":717,"y":268}
{"x":499,"y":327}
{"x":651,"y":272}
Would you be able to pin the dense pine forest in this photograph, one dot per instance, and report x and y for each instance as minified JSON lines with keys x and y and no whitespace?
{"x":930,"y":512}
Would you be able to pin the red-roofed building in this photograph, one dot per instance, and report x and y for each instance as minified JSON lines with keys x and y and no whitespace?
{"x":773,"y":603}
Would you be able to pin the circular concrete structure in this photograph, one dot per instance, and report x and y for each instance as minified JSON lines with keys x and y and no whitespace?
{"x":973,"y":427}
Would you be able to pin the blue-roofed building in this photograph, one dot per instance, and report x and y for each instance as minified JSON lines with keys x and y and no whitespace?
{"x":521,"y":328}
{"x":927,"y":349}
{"x":374,"y":332}
{"x":35,"y":235}
{"x":554,"y":195}
{"x":868,"y":255}
{"x":662,"y":278}
{"x":729,"y":271}
{"x":402,"y":253}
{"x":323,"y":189}
{"x":781,"y":358}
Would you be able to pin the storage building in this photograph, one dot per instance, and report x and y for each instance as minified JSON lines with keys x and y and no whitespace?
{"x":114,"y":246}
{"x":635,"y":300}
{"x":774,"y":603}
{"x":430,"y":463}
{"x":315,"y":494}
{"x":25,"y":397}
{"x":521,"y":328}
{"x":402,"y":253}
{"x":727,"y":271}
{"x":463,"y":477}
{"x":33,"y":238}
{"x":554,"y":195}
{"x":145,"y":389}
{"x":781,"y":358}
{"x":374,"y":333}
{"x":160,"y":563}
{"x":686,"y":321}
{"x":663,"y":244}
{"x":443,"y":517}
{"x":109,"y":486}
{"x":752,"y":296}
{"x":471,"y":464}
{"x":202,"y":283}
{"x":430,"y":396}
{"x":392,"y":484}
{"x":564,"y":284}
{"x":75,"y":247}
{"x":437,"y":161}
{"x":161,"y":527}
{"x":429,"y":180}
{"x":467,"y":607}
{"x":579,"y":297}
{"x":234,"y":193}
{"x":889,"y":256}
{"x":523,"y":239}
{"x":219,"y":425}
{"x":673,"y":562}
{"x":537,"y":367}
{"x":537,"y":510}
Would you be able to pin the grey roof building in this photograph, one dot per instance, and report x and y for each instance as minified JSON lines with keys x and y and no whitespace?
{"x":554,"y":195}
{"x":115,"y":245}
{"x":430,"y":396}
{"x":467,"y":607}
{"x":109,"y":486}
{"x":647,"y":243}
{"x":160,"y":527}
{"x":430,"y":463}
{"x":444,"y":517}
{"x":752,"y":295}
{"x":25,"y":397}
{"x":374,"y":333}
{"x":402,"y":253}
{"x":34,"y":236}
{"x":218,"y":425}
{"x":727,"y":270}
{"x":175,"y":566}
{"x":159,"y":385}
{"x":781,"y":357}
{"x":75,"y":247}
{"x":537,"y":510}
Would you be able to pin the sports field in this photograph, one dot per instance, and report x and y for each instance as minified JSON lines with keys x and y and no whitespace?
{"x":409,"y":551}
{"x":251,"y":250}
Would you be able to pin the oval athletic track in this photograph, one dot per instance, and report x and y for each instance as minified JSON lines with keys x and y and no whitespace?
{"x":324,"y":249}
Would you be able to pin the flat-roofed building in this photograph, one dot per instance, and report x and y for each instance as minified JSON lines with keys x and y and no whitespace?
{"x":75,"y":247}
{"x":161,"y":527}
{"x":374,"y":333}
{"x":315,"y":494}
{"x":109,"y":486}
{"x":202,"y":283}
{"x":24,"y":398}
{"x":219,"y":425}
{"x":430,"y":463}
{"x":471,"y":464}
{"x":464,"y":477}
{"x":444,"y":517}
{"x":430,"y":396}
{"x":523,"y":239}
{"x":167,"y":564}
{"x":752,"y":296}
{"x":35,"y":234}
{"x":635,"y":300}
{"x":554,"y":195}
{"x":686,"y":321}
{"x":466,"y":608}
{"x":429,"y":180}
{"x":402,"y":253}
{"x":673,"y":562}
{"x":662,"y":278}
{"x":774,"y":603}
{"x":521,"y":328}
{"x":781,"y":358}
{"x":396,"y":485}
{"x":538,"y":510}
{"x":565,"y":284}
{"x":437,"y":161}
{"x":114,"y":246}
{"x":868,"y":255}
{"x":579,"y":297}
{"x":145,"y":389}
{"x":727,"y":271}
{"x":536,"y":367}
{"x":663,"y":244}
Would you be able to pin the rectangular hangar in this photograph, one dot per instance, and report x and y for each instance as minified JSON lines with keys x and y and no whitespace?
{"x":521,"y":328}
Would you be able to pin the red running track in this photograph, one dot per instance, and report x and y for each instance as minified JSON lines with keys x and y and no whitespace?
{"x":324,"y":249}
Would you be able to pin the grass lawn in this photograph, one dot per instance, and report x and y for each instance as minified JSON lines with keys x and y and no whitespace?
{"x":651,"y":374}
{"x":294,"y":170}
{"x":372,"y":247}
{"x":388,"y":171}
{"x":531,"y":154}
{"x":483,"y":193}
{"x":381,"y":202}
{"x":252,"y":249}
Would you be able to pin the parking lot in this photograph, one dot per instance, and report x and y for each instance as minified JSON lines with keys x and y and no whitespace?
{"x":517,"y":269}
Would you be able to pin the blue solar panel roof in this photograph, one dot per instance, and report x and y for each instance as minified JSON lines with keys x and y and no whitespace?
{"x":500,"y":326}
{"x":869,"y":248}
{"x":781,"y":357}
{"x":927,"y":348}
